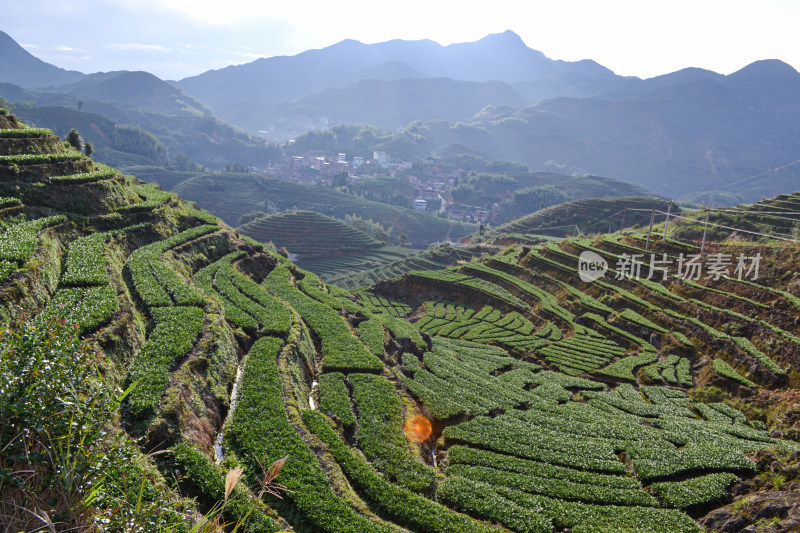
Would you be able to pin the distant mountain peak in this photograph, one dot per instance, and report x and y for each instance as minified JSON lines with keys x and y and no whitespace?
{"x":20,"y":67}
{"x":507,"y":36}
{"x":345,"y":43}
{"x":766,"y":67}
{"x":507,"y":40}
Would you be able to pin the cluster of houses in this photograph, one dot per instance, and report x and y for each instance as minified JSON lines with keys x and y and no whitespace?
{"x":431,"y":182}
{"x":316,"y":167}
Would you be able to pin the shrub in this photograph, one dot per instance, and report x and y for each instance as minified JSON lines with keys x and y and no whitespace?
{"x":711,"y":488}
{"x":176,"y":329}
{"x":342,"y":351}
{"x":725,"y":370}
{"x":261,"y":433}
{"x":55,"y":408}
{"x":334,"y":398}
{"x":18,"y":242}
{"x":380,"y":432}
{"x":206,"y":478}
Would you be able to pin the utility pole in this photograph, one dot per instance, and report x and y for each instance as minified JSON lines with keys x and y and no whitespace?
{"x":622,"y":225}
{"x":666,"y":224}
{"x":705,"y":231}
{"x":650,"y":229}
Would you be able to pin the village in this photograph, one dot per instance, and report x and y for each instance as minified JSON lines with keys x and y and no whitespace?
{"x":431,"y":180}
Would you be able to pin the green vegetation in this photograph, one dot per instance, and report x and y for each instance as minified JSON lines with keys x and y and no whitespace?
{"x":480,"y":500}
{"x":209,"y":482}
{"x":555,"y":488}
{"x":262,"y":434}
{"x":623,"y":368}
{"x":19,"y":241}
{"x":324,"y":245}
{"x":176,"y":329}
{"x":589,"y":215}
{"x":33,"y":159}
{"x":487,"y":326}
{"x":342,"y":351}
{"x":711,"y":488}
{"x":579,"y":353}
{"x":88,"y":307}
{"x":56,"y":409}
{"x":586,"y":518}
{"x":86,"y":263}
{"x":9,"y":201}
{"x":135,"y":140}
{"x":435,"y":257}
{"x":245,"y":303}
{"x":334,"y":398}
{"x":379,"y":304}
{"x":86,"y":177}
{"x":25,"y":133}
{"x":404,"y":506}
{"x":272,"y":314}
{"x":371,"y":333}
{"x":158,"y":285}
{"x":673,"y":370}
{"x":153,"y":196}
{"x":380,"y":432}
{"x":725,"y":370}
{"x":632,"y":316}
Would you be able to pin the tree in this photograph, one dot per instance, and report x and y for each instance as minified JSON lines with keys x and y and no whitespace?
{"x":340,"y":180}
{"x":379,"y":233}
{"x":404,"y":239}
{"x":88,"y":149}
{"x":75,"y":140}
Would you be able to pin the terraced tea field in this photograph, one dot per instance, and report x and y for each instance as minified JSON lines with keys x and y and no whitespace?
{"x":434,"y":258}
{"x":500,"y":394}
{"x":590,"y":215}
{"x":323,"y":244}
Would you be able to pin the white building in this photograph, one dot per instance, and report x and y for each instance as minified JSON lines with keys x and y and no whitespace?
{"x":420,"y":204}
{"x":382,"y":158}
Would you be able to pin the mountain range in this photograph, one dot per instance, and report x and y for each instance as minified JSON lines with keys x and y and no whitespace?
{"x":686,"y":132}
{"x":315,"y":85}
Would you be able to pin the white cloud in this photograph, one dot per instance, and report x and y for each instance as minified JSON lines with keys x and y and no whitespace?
{"x":211,"y":12}
{"x":139,"y":47}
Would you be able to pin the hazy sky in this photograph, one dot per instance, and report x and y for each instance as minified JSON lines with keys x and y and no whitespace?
{"x":178,"y":38}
